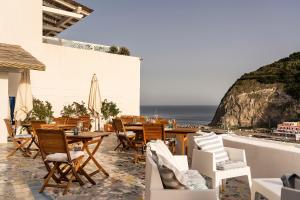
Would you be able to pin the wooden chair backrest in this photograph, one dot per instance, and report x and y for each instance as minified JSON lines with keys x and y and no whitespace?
{"x":140,"y":119}
{"x":118,"y":125}
{"x":162,"y":121}
{"x":126,"y":119}
{"x":52,"y":141}
{"x":36,"y":125}
{"x":49,"y":126}
{"x":86,"y":120}
{"x":9,"y":128}
{"x":60,"y":120}
{"x":153,"y":131}
{"x":72,"y":121}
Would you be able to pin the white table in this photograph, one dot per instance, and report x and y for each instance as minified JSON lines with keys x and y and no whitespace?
{"x":268,"y":187}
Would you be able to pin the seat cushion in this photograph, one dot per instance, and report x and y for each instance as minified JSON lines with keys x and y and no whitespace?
{"x":230,"y":164}
{"x":128,"y":133}
{"x":23,"y":136}
{"x":194,"y":180}
{"x":62,"y":157}
{"x":213,"y":144}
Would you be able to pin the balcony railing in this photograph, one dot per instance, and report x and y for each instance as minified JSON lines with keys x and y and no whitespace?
{"x":75,"y":44}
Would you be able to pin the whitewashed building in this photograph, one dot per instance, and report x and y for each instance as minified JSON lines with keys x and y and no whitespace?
{"x":35,"y":26}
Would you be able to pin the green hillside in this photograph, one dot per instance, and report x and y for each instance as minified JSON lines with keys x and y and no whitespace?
{"x":285,"y":71}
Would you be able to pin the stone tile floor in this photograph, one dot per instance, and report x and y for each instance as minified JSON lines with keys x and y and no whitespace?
{"x":21,"y":178}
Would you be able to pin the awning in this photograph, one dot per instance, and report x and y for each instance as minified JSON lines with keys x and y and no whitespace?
{"x":15,"y":57}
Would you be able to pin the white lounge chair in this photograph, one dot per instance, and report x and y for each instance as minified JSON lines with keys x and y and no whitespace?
{"x":155,"y":190}
{"x":205,"y":163}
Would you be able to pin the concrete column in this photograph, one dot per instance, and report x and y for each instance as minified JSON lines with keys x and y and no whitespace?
{"x":3,"y":105}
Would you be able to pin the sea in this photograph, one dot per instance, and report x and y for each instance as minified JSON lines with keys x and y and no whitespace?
{"x":184,"y":115}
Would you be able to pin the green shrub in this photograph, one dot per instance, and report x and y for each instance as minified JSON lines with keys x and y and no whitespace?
{"x":113,"y":49}
{"x":124,"y":51}
{"x":75,"y":110}
{"x":41,"y":110}
{"x":109,"y":110}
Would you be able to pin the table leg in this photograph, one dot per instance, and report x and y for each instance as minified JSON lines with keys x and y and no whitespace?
{"x":91,"y":157}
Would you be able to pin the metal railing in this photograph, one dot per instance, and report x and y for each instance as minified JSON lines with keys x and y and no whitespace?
{"x":75,"y":44}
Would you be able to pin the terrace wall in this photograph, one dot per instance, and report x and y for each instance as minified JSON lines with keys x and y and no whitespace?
{"x":267,"y":159}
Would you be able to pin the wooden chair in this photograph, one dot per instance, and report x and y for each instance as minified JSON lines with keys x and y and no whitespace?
{"x":20,"y":141}
{"x":72,"y":121}
{"x":34,"y":126}
{"x":60,"y":120}
{"x":151,"y":131}
{"x":126,"y":119}
{"x":125,"y":138}
{"x":86,"y":122}
{"x":139,"y":119}
{"x":54,"y":149}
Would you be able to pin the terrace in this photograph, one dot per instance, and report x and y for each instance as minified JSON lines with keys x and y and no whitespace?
{"x":21,"y":178}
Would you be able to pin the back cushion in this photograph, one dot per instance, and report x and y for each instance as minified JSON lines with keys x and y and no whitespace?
{"x":213,"y":144}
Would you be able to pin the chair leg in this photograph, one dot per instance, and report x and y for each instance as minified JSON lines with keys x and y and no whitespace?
{"x":118,"y":146}
{"x":223,"y":185}
{"x":68,"y":185}
{"x":216,"y":185}
{"x":249,"y":179}
{"x":48,"y":177}
{"x":13,"y":152}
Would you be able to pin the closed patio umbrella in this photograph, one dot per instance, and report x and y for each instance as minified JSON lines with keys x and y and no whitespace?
{"x":94,"y":103}
{"x":24,"y":99}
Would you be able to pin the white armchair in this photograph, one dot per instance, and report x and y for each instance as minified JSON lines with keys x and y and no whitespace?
{"x":205,"y":163}
{"x":155,"y":190}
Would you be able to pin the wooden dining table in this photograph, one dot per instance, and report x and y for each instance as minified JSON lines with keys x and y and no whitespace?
{"x":88,"y":139}
{"x":180,"y":133}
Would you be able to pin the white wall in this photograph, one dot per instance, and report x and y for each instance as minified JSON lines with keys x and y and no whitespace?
{"x":267,"y":159}
{"x":21,"y":23}
{"x":3,"y":105}
{"x":69,"y":72}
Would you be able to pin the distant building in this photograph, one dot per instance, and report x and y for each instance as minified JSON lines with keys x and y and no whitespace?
{"x":289,"y":127}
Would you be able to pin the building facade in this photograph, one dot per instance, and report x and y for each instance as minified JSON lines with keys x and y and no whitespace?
{"x":35,"y":26}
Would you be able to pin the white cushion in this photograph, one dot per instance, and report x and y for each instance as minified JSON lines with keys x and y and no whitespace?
{"x":128,"y":133}
{"x":213,"y":144}
{"x":190,"y":179}
{"x":166,"y":158}
{"x":62,"y":157}
{"x":230,"y":164}
{"x":23,"y":136}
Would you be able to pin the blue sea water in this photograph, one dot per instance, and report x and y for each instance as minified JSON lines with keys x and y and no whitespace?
{"x":184,"y":115}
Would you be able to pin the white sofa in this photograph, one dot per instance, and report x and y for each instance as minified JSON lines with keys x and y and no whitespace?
{"x":155,"y":190}
{"x":205,"y":163}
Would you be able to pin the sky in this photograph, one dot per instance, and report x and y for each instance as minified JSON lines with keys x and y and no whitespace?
{"x":193,"y":50}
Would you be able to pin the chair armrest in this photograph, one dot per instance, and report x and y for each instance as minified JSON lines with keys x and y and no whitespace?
{"x":289,"y":194}
{"x":208,"y":194}
{"x":182,"y":162}
{"x":204,"y":162}
{"x":236,"y":154}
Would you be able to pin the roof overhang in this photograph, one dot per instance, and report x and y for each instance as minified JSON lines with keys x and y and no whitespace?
{"x":59,"y":15}
{"x":14,"y":58}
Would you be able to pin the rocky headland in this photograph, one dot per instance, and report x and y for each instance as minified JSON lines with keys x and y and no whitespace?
{"x":263,"y":98}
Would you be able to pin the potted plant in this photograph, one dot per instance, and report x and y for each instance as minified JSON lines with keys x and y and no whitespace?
{"x":75,"y":110}
{"x":109,"y":110}
{"x":41,"y":111}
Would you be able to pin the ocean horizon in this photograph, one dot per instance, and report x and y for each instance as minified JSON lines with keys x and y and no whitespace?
{"x":184,"y":114}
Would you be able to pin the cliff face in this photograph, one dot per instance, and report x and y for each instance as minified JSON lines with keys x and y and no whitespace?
{"x":263,"y":98}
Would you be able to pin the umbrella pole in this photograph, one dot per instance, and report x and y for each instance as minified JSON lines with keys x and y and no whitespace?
{"x":99,"y":123}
